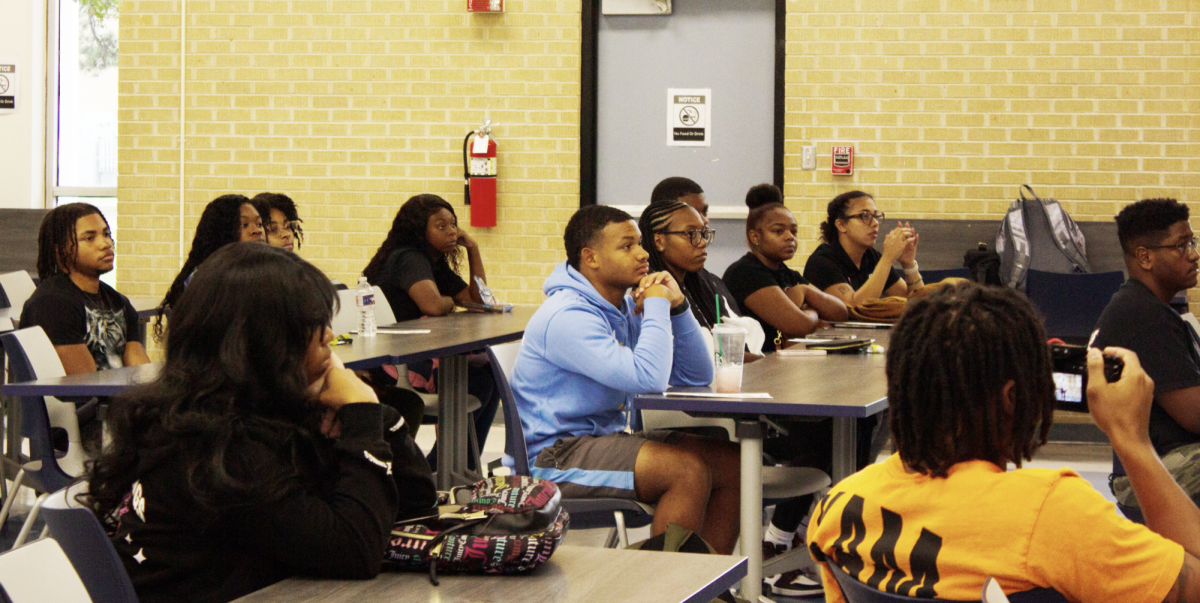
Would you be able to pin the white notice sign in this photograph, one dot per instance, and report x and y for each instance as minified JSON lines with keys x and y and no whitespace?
{"x":8,"y":86}
{"x":689,"y":117}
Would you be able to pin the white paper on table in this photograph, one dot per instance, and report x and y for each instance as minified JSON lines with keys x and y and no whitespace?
{"x":753,"y":395}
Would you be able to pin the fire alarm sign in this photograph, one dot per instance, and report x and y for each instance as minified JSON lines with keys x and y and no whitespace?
{"x":843,"y":161}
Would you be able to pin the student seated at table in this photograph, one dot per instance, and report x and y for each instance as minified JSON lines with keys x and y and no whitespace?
{"x":417,"y":268}
{"x":970,"y":390}
{"x":588,"y":350}
{"x":1161,"y":259}
{"x":226,"y":219}
{"x":847,"y":266}
{"x":678,"y":188}
{"x":281,"y":220}
{"x":254,"y":456}
{"x":677,"y":240}
{"x":91,"y":326}
{"x":765,"y":288}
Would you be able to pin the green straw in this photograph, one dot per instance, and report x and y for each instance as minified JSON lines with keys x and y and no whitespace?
{"x":718,"y":297}
{"x":720,"y":353}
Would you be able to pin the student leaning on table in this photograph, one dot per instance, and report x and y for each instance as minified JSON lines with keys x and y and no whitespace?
{"x":226,"y":219}
{"x":254,"y":455}
{"x":416,"y":267}
{"x":588,"y":350}
{"x":91,"y":326}
{"x":847,"y":266}
{"x":970,"y":389}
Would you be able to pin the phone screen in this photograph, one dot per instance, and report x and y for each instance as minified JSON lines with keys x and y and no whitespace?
{"x":1068,"y":387}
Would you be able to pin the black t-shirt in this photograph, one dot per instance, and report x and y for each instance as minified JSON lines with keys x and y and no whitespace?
{"x":406,"y":267}
{"x":1167,"y":348}
{"x":716,"y":286}
{"x":830,"y":265}
{"x":69,"y":315}
{"x":747,"y":276}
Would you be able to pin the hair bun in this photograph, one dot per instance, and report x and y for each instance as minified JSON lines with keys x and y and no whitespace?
{"x":763,"y":194}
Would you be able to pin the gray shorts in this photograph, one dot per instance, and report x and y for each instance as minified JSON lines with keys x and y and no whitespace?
{"x":597,"y":467}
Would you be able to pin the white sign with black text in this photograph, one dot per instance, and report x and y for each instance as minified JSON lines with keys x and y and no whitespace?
{"x":689,"y":117}
{"x":8,"y":86}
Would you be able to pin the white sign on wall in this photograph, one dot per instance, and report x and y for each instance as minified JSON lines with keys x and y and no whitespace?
{"x":689,"y":117}
{"x":8,"y":86}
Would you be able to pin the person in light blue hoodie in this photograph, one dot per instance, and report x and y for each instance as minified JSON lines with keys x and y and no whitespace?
{"x":608,"y":331}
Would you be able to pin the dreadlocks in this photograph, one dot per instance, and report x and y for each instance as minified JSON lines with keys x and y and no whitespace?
{"x":265,"y":202}
{"x":657,"y":218}
{"x":950,"y":358}
{"x":56,"y":238}
{"x":220,"y":225}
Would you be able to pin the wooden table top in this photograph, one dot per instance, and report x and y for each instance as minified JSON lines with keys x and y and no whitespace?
{"x":573,"y":573}
{"x":834,"y":385}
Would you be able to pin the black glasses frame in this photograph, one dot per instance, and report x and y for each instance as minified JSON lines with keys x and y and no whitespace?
{"x":707,"y":235}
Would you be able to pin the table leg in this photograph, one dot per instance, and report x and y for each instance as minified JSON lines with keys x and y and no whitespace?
{"x":845,"y":446}
{"x":751,"y":435}
{"x":452,"y":422}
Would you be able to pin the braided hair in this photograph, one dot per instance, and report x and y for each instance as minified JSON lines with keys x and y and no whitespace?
{"x":657,"y":218}
{"x":837,"y":211}
{"x":408,"y":230}
{"x":950,"y":358}
{"x":56,"y":238}
{"x":220,"y":225}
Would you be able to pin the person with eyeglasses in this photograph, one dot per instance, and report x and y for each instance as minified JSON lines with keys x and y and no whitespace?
{"x":847,"y":265}
{"x":281,"y":220}
{"x":765,"y":288}
{"x":1161,"y":260}
{"x":677,"y":240}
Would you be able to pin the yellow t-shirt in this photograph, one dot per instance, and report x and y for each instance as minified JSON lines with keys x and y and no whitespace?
{"x":919,"y":536}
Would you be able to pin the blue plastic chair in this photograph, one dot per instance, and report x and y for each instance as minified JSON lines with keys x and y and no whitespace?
{"x":1071,"y":303}
{"x":86,"y":544}
{"x":586,"y":513}
{"x":858,"y":592}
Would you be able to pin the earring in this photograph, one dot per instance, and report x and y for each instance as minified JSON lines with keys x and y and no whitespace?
{"x":660,"y":249}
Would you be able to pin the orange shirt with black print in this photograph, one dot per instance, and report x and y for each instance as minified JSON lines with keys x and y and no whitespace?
{"x":919,"y":536}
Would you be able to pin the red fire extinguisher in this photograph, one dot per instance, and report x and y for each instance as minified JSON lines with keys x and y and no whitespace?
{"x":479,"y":175}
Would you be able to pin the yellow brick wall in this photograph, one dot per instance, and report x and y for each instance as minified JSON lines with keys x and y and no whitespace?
{"x":951,"y":105}
{"x":350,"y":107}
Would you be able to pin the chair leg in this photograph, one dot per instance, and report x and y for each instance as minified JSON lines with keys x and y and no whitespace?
{"x":622,"y":534}
{"x":33,"y":513}
{"x":611,"y":541}
{"x":473,"y":444}
{"x":12,"y":494}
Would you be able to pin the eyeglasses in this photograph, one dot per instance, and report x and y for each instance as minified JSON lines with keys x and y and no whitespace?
{"x":695,"y":236}
{"x":275,"y":227}
{"x":1182,"y":248}
{"x":866,"y":216}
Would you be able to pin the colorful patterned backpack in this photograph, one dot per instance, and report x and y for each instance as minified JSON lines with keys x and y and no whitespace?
{"x":512,"y":524}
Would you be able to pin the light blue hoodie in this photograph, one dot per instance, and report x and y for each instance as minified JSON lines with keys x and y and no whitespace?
{"x":582,"y":360}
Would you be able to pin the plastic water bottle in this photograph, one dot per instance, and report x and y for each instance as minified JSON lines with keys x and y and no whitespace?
{"x":364,"y":297}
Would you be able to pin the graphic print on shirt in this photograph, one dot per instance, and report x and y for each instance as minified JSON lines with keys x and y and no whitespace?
{"x":106,"y":336}
{"x":922,"y":559}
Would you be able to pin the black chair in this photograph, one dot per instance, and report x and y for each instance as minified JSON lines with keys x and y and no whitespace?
{"x":85,"y":543}
{"x":857,"y":592}
{"x":586,"y":513}
{"x":936,"y":276}
{"x":1071,"y":303}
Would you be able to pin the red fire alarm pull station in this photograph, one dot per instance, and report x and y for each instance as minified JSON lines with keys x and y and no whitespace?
{"x":843,"y":161}
{"x":485,"y":6}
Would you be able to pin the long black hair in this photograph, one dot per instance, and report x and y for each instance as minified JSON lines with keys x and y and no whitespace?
{"x":56,"y":237}
{"x":265,"y":202}
{"x":657,"y":218}
{"x":408,"y":230}
{"x":234,"y":379}
{"x":950,"y":357}
{"x":836,"y":210}
{"x":220,"y":225}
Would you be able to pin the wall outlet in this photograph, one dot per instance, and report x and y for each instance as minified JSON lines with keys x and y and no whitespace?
{"x":808,"y":157}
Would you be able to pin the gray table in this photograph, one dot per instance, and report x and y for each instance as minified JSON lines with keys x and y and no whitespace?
{"x":572,"y":574}
{"x":450,"y":337}
{"x":842,"y":386}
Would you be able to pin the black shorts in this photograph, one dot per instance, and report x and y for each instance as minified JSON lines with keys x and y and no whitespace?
{"x":597,"y":467}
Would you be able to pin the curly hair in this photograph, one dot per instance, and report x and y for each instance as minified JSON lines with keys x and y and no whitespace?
{"x":762,"y":194}
{"x":233,"y":383}
{"x":265,"y":202}
{"x":220,"y":225}
{"x":585,"y":227}
{"x":408,"y":230}
{"x":657,"y":218}
{"x":1147,"y":221}
{"x":837,"y":211}
{"x":56,"y":238}
{"x":950,"y":358}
